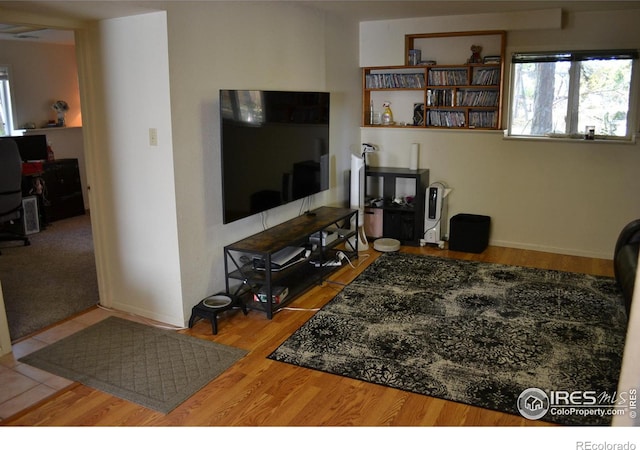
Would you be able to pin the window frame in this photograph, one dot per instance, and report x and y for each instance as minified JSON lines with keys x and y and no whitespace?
{"x":573,"y":56}
{"x":8,"y":106}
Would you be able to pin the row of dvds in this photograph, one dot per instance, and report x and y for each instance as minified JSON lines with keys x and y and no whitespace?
{"x":462,"y":97}
{"x":481,"y":77}
{"x":394,"y":80}
{"x":483,"y":119}
{"x":441,"y":97}
{"x":448,"y":77}
{"x":478,"y":98}
{"x":477,"y":119}
{"x":486,"y":77}
{"x":445,"y":119}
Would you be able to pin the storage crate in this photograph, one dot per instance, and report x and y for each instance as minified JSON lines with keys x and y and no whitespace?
{"x":373,"y":222}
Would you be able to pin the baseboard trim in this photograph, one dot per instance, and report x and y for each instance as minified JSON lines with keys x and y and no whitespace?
{"x":550,"y":249}
{"x":146,"y":315}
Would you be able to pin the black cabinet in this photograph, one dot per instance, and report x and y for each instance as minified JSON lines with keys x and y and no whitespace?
{"x":63,"y":189}
{"x":401,"y":219}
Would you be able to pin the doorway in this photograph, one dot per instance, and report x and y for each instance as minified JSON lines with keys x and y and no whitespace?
{"x":44,"y":60}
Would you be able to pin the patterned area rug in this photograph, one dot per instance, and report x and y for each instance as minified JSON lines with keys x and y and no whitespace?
{"x":471,"y":332}
{"x":155,"y":368}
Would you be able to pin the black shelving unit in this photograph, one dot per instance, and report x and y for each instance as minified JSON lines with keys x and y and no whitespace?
{"x":244,"y":260}
{"x":63,"y":189}
{"x":404,"y":222}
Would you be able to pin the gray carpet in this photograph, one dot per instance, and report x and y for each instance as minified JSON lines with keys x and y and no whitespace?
{"x":470,"y":332}
{"x":50,"y":280}
{"x":155,"y":368}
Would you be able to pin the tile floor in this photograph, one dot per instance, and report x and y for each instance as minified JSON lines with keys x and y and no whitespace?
{"x":22,"y":385}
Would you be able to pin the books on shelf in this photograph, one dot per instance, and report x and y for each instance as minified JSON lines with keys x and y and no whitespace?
{"x":448,"y":77}
{"x":278,"y":294}
{"x":450,"y":119}
{"x":483,"y":119}
{"x":463,"y":97}
{"x":486,"y":77}
{"x":394,"y":80}
{"x":443,"y":97}
{"x":469,"y":97}
{"x":453,"y":119}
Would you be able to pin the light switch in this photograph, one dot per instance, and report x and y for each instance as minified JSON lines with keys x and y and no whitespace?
{"x":153,"y":137}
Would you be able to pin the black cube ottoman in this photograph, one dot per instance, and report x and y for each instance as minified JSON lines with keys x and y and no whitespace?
{"x":469,"y":233}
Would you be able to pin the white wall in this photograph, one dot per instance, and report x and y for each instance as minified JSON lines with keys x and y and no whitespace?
{"x":380,"y":40}
{"x":215,"y":46}
{"x":157,"y":211}
{"x":561,"y":197}
{"x":133,"y":193}
{"x":40,"y":75}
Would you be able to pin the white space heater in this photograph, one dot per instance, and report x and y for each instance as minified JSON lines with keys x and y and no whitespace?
{"x":30,"y":216}
{"x":435,"y":214}
{"x":357,"y":193}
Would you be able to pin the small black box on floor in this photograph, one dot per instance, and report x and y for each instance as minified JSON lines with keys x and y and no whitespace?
{"x":469,"y":233}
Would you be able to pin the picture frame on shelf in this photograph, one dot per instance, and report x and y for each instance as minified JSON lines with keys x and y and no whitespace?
{"x":418,"y":114}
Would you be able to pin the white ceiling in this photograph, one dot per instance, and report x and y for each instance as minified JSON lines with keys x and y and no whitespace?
{"x":358,"y":10}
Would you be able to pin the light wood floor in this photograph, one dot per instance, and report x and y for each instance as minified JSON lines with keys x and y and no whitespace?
{"x":257,"y":391}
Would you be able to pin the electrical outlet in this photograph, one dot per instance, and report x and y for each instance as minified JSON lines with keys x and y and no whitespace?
{"x":153,"y":137}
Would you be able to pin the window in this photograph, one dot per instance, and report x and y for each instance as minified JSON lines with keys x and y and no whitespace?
{"x":562,"y":93}
{"x":6,"y":121}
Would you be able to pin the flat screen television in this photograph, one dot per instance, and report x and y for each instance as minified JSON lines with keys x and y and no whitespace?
{"x":275,"y":149}
{"x":32,"y":147}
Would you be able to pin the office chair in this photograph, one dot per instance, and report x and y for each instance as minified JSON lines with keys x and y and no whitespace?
{"x":10,"y":191}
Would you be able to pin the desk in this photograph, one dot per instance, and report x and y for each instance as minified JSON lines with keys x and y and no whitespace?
{"x":57,"y":186}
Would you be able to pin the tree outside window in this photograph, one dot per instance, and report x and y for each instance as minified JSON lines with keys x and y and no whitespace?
{"x":561,"y":93}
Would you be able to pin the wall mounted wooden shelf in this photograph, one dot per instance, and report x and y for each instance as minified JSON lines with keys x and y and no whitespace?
{"x":452,"y":93}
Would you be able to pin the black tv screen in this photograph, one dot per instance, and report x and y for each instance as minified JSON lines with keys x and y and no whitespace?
{"x":32,"y":147}
{"x":275,"y":149}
